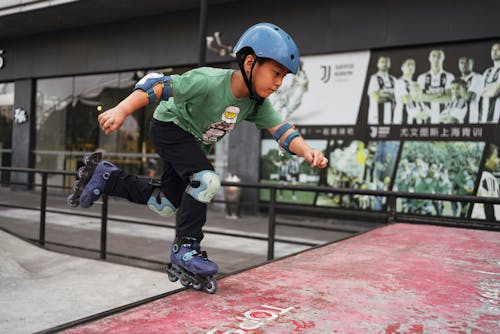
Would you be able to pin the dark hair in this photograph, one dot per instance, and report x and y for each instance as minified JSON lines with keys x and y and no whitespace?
{"x":243,"y":53}
{"x":460,"y":82}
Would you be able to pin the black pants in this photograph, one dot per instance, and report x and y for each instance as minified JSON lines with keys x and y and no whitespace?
{"x":181,"y":156}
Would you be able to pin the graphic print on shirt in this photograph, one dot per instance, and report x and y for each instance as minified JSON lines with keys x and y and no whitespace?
{"x":217,"y":130}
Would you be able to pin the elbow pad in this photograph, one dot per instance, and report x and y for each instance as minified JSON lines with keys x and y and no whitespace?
{"x":150,"y":80}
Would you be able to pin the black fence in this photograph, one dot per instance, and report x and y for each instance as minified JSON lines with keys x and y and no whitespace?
{"x":272,"y":208}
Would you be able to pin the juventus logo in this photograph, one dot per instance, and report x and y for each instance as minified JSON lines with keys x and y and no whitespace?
{"x":327,"y":70}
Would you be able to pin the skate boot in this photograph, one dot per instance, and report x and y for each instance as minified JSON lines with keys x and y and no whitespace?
{"x":91,"y":181}
{"x":84,"y":173}
{"x":191,"y":266}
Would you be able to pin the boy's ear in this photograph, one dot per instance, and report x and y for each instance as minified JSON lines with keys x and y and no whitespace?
{"x":249,"y":60}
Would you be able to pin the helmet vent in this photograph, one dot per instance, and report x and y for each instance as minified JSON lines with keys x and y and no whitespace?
{"x":292,"y":56}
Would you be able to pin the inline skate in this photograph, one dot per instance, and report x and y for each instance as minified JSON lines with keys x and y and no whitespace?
{"x":91,"y":180}
{"x":191,"y":266}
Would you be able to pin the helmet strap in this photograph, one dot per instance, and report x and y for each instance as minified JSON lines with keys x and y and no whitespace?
{"x":248,"y":82}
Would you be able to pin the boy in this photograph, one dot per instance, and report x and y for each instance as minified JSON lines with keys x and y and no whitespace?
{"x":457,"y":110}
{"x":197,"y":109}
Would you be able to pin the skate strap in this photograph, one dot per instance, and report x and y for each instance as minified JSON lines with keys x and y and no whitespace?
{"x":189,"y":255}
{"x":156,"y":194}
{"x":155,"y":183}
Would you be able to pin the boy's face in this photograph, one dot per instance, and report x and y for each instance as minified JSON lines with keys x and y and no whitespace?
{"x":456,"y":90}
{"x":408,"y":67}
{"x":268,"y":77}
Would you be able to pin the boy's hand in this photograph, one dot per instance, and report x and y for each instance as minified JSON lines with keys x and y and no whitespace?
{"x":315,"y":158}
{"x":111,"y":120}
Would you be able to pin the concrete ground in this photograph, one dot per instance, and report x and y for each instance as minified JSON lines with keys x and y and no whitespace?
{"x":400,"y":278}
{"x":40,"y":289}
{"x":45,"y":287}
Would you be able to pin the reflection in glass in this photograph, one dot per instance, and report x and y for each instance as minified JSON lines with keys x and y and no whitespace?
{"x":6,"y":105}
{"x":52,"y":100}
{"x":67,"y":110}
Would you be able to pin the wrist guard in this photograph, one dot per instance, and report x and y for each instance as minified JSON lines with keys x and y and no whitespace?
{"x":288,"y":139}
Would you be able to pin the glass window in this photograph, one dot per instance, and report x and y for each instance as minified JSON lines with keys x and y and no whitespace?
{"x":123,"y":147}
{"x":6,"y":106}
{"x":53,"y":98}
{"x":67,"y":111}
{"x":92,"y":94}
{"x":126,"y":139}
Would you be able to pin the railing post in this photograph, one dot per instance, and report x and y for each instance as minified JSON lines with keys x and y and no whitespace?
{"x":203,"y":33}
{"x":104,"y":225}
{"x":272,"y":224}
{"x":391,"y":209}
{"x":43,"y":209}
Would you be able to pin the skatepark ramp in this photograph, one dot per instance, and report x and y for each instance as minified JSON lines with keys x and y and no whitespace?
{"x":400,"y":278}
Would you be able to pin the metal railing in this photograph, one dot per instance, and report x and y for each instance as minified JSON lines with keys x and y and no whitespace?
{"x":273,"y":207}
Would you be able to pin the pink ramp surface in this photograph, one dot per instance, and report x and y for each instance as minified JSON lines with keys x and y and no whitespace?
{"x":396,"y":279}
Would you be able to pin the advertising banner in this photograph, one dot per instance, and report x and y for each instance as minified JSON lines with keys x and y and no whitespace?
{"x":326,"y":90}
{"x":421,"y":119}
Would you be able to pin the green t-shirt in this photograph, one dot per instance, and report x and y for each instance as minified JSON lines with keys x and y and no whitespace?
{"x":204,"y":105}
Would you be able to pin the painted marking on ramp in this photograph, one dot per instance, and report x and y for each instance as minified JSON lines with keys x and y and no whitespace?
{"x":252,"y":319}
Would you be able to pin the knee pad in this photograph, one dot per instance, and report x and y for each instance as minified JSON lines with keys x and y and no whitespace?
{"x":204,"y":186}
{"x":160,"y":204}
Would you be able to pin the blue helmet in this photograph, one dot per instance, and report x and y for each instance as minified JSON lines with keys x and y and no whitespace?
{"x":270,"y":41}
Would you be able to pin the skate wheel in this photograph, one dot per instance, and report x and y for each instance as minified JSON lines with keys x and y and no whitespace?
{"x":169,"y":269}
{"x":75,"y":186}
{"x":82,"y":172}
{"x":172,"y":277}
{"x":197,"y":286}
{"x":87,"y":157}
{"x":211,"y":286}
{"x":72,"y":200}
{"x":185,"y":282}
{"x":94,"y":157}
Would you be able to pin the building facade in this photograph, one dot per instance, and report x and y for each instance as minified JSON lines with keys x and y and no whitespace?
{"x":62,"y":65}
